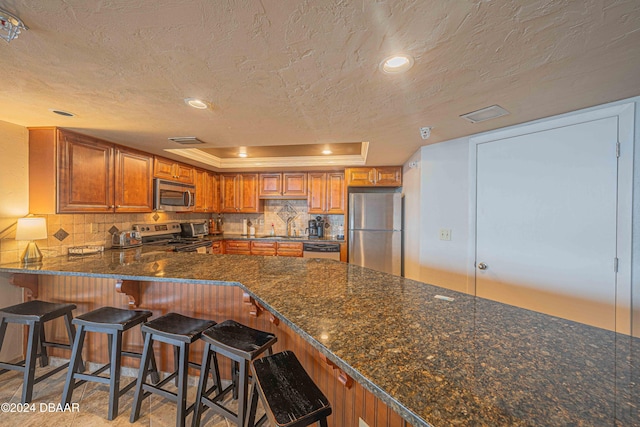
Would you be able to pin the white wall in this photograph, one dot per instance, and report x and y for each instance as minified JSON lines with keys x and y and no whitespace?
{"x":14,"y":203}
{"x":443,"y":194}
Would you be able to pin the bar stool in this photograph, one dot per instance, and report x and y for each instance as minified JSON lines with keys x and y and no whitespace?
{"x":179,"y":331}
{"x":113,"y":322}
{"x":289,"y":396}
{"x":241,"y":344}
{"x":34,"y":314}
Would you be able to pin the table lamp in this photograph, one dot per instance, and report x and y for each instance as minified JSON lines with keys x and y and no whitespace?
{"x":31,"y":229}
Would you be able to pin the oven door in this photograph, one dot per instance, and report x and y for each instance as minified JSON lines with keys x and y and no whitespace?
{"x":173,"y":197}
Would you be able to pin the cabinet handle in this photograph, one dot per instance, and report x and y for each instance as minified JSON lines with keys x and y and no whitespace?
{"x":111,"y":207}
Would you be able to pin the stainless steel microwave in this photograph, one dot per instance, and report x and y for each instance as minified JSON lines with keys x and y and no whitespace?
{"x":173,"y":196}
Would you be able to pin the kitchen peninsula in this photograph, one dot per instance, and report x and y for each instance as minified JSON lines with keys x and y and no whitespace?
{"x":416,"y":353}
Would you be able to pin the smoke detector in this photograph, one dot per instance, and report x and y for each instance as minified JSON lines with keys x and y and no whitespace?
{"x":425,"y":132}
{"x":186,"y":140}
{"x":484,"y":114}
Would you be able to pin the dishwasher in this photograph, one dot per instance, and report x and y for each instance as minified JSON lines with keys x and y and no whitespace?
{"x":321,"y":250}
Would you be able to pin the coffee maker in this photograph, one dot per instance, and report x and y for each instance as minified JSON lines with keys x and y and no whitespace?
{"x":321,"y":225}
{"x":313,"y":229}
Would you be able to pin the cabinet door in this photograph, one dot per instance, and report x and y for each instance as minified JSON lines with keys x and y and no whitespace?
{"x":215,"y":192}
{"x":335,"y":193}
{"x":228,"y":192}
{"x":237,"y":247}
{"x":263,"y":248}
{"x":248,"y":197}
{"x":293,"y":249}
{"x":270,"y":185}
{"x":85,"y":174}
{"x":201,"y":191}
{"x":360,"y":177}
{"x":388,"y":176}
{"x":184,"y":173}
{"x":294,"y":184}
{"x":164,"y":168}
{"x":317,"y":197}
{"x":133,"y":181}
{"x":217,"y":247}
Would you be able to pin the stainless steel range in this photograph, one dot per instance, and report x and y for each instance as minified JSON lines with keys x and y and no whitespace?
{"x":168,"y":234}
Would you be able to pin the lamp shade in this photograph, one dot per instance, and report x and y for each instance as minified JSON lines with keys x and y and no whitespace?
{"x":31,"y":229}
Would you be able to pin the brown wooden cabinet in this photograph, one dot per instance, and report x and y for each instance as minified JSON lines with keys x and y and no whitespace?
{"x":386,"y":176}
{"x":292,"y":249}
{"x":264,"y":248}
{"x":133,"y":181}
{"x":237,"y":247}
{"x":217,"y":247}
{"x":74,"y":173}
{"x":85,"y":173}
{"x":239,"y":193}
{"x":326,"y":193}
{"x":207,"y":199}
{"x":286,"y":185}
{"x":173,"y":171}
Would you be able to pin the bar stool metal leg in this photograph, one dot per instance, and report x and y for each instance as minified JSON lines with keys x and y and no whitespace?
{"x":30,"y":362}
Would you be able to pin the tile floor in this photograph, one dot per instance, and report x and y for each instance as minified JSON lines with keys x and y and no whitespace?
{"x":93,"y":401}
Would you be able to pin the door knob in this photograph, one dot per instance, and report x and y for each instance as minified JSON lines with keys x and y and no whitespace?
{"x":482,"y":266}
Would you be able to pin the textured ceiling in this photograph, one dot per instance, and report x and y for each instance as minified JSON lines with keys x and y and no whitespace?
{"x":306,"y":71}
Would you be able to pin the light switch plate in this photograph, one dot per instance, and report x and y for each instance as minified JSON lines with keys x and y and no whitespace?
{"x":445,"y":234}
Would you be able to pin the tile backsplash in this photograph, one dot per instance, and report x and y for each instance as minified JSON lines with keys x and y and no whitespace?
{"x":68,"y":230}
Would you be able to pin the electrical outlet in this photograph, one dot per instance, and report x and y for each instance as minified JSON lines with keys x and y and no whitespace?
{"x":425,"y":132}
{"x":445,"y":234}
{"x":361,"y":423}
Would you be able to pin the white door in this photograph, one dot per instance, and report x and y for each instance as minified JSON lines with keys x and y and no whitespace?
{"x":546,"y":221}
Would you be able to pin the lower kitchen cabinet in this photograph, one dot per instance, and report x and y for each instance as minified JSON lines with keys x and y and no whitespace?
{"x":237,"y":247}
{"x":293,"y":249}
{"x":217,"y":247}
{"x":263,"y":248}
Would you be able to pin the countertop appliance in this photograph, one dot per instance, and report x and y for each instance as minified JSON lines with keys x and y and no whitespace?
{"x":321,"y":250}
{"x":169,"y":235}
{"x":375,"y":231}
{"x":194,"y":229}
{"x":173,"y":196}
{"x":126,"y":239}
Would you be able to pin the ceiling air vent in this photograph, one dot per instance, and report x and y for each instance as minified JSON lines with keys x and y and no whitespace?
{"x":186,"y":140}
{"x":483,"y":114}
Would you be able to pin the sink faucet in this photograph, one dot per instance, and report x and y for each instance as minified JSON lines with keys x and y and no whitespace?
{"x":289,"y":221}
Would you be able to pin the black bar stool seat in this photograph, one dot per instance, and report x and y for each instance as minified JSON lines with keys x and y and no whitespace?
{"x":179,"y":331}
{"x":113,"y":322}
{"x":289,"y":396}
{"x":34,"y":314}
{"x":241,"y":344}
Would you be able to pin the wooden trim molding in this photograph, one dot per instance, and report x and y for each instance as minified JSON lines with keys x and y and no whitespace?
{"x":255,"y":308}
{"x":131,"y":288}
{"x":345,"y":379}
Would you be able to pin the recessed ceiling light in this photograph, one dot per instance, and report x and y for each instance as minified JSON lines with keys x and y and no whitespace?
{"x":62,"y":113}
{"x":327,"y":152}
{"x":197,"y":103}
{"x":243,"y":155}
{"x":396,"y":64}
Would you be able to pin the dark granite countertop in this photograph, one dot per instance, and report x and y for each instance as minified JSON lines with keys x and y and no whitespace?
{"x":465,"y":362}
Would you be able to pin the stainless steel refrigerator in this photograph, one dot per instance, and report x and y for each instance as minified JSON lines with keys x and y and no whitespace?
{"x":375,"y":231}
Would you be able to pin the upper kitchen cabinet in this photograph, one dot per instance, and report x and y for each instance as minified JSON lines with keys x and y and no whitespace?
{"x":239,"y":193}
{"x":73,"y":173}
{"x":326,"y":193}
{"x":287,"y":185}
{"x":207,"y":199}
{"x":387,"y":176}
{"x":173,"y":171}
{"x":133,"y":181}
